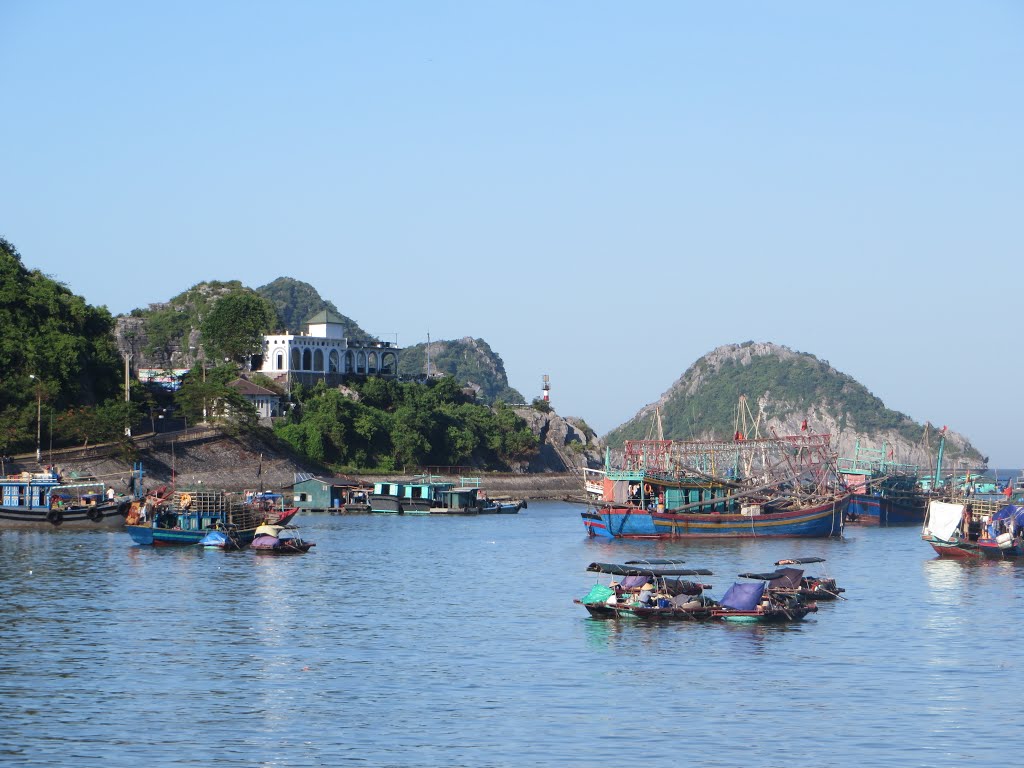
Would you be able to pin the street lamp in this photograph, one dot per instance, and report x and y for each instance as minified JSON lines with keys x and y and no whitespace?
{"x":39,"y":417}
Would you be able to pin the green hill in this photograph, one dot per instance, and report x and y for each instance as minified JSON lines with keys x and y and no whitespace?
{"x":471,"y":362}
{"x":781,"y":390}
{"x":296,"y":301}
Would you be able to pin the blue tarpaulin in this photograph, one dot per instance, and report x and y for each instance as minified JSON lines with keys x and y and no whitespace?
{"x":743,"y":597}
{"x":1012,"y":513}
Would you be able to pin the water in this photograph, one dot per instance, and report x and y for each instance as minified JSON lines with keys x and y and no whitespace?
{"x":418,"y":641}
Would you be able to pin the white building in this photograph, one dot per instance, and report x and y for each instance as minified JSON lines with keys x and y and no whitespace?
{"x":323,"y":353}
{"x":266,"y":402}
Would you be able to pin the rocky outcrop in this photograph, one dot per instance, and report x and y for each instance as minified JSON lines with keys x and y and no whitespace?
{"x":131,"y":337}
{"x":566,"y":444}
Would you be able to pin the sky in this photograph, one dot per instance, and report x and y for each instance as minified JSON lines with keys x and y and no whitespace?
{"x":602,"y":191}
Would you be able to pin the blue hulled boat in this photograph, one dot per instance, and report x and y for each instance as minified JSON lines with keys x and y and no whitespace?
{"x":670,"y":489}
{"x":42,"y":499}
{"x":882,"y":492}
{"x":813,"y":521}
{"x":189,"y":516}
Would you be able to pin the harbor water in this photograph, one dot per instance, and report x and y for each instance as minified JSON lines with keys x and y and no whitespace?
{"x":440,"y":641}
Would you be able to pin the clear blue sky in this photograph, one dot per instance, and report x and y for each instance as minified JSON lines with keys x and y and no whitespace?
{"x":603,"y":191}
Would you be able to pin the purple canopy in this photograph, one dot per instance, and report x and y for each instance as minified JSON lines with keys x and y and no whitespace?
{"x":788,"y":578}
{"x":265,"y":542}
{"x":631,"y":582}
{"x":743,"y":597}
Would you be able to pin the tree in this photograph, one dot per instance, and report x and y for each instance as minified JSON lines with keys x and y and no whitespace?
{"x":234,"y":327}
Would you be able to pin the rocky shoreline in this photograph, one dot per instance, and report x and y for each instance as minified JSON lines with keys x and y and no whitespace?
{"x":209,"y":458}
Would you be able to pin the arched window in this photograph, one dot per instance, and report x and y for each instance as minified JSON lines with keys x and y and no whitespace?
{"x":388,"y":364}
{"x":296,"y":359}
{"x":318,"y":360}
{"x":307,"y":360}
{"x":371,"y":363}
{"x":279,"y":362}
{"x":361,"y":362}
{"x":332,"y":364}
{"x":349,"y":362}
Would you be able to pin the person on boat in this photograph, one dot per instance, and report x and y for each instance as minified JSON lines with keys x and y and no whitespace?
{"x":646,"y":593}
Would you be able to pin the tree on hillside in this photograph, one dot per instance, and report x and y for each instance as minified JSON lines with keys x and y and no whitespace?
{"x":235,"y":325}
{"x":205,"y":393}
{"x":54,"y":336}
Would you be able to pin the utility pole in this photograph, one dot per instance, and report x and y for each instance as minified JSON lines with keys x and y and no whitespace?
{"x":39,"y":417}
{"x":127,"y":391}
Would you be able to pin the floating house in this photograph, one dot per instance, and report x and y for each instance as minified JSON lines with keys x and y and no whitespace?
{"x":330,"y":494}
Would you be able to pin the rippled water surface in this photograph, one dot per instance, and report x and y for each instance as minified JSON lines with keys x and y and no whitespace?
{"x":411,"y":641}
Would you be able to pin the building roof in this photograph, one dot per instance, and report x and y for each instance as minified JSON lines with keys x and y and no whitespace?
{"x":246,"y":387}
{"x":326,"y":316}
{"x":333,"y":481}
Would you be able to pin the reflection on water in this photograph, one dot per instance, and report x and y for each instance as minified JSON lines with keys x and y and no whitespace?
{"x":448,"y":642}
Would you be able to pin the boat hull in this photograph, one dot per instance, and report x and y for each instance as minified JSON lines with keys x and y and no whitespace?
{"x":886,"y":511}
{"x":773,"y":616}
{"x":390,"y":505}
{"x":821,"y":521}
{"x":150,"y":536}
{"x":975,"y":550}
{"x":109,"y":515}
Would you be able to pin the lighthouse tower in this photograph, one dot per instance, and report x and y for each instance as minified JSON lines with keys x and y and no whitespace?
{"x":545,"y":391}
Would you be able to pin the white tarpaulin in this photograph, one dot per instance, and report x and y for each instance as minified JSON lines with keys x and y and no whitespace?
{"x":944,"y":519}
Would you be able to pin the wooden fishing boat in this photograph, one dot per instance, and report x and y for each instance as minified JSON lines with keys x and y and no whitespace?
{"x":188,"y":516}
{"x":819,"y":520}
{"x":279,"y":540}
{"x":677,"y":489}
{"x":754,"y":603}
{"x":605,"y":601}
{"x":882,"y":491}
{"x":965,"y":528}
{"x":812,"y":588}
{"x":43,"y":500}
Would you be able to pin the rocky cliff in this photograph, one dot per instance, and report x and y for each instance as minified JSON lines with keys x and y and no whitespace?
{"x":566,"y":444}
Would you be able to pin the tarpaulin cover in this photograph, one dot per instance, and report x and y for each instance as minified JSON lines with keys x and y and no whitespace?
{"x":743,"y":597}
{"x":631,"y":582}
{"x":682,"y":587}
{"x":1013,"y":512}
{"x":944,"y":519}
{"x":599,"y":593}
{"x":265,"y":542}
{"x":788,"y":578}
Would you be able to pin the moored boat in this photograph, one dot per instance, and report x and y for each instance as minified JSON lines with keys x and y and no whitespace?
{"x":641,"y":582}
{"x":429,"y":495}
{"x":809,"y":587}
{"x":783,"y":486}
{"x":818,"y":520}
{"x":42,"y":500}
{"x":188,"y":516}
{"x":965,"y":528}
{"x":749,"y":603}
{"x":882,"y":491}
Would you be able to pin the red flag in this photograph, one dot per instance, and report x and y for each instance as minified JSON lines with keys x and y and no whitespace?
{"x":1009,"y":490}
